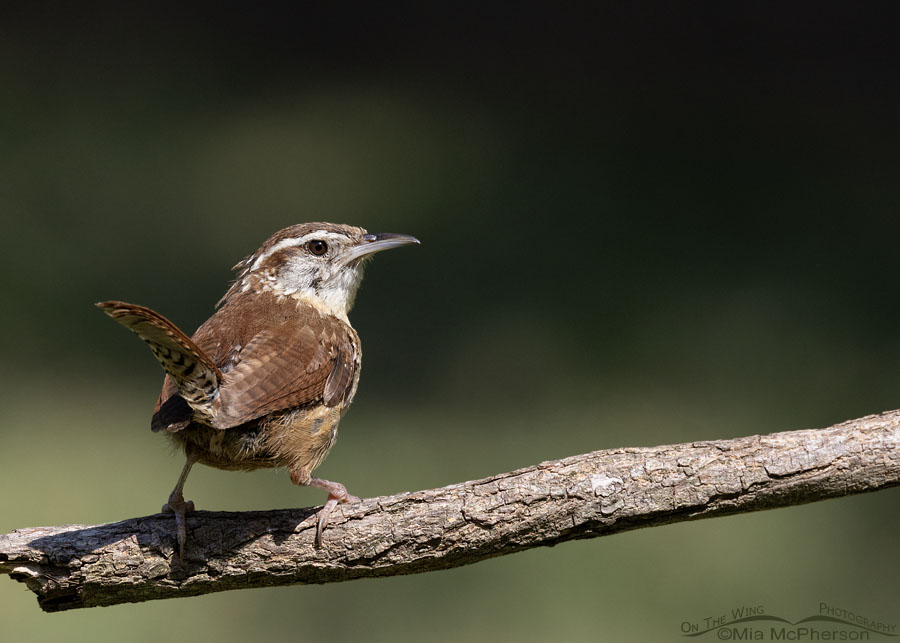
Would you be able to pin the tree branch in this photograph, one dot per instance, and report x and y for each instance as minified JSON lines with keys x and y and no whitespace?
{"x":578,"y":497}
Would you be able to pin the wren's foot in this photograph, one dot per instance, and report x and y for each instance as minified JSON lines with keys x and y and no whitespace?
{"x":336,"y":493}
{"x":180,"y":507}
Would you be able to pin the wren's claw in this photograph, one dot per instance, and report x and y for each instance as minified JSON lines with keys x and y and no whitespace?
{"x":180,"y":507}
{"x":336,"y":493}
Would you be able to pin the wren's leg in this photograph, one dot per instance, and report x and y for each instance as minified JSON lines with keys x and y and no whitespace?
{"x":178,"y":506}
{"x":336,"y":493}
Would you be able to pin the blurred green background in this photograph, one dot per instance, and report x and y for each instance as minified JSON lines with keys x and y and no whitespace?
{"x":641,"y":224}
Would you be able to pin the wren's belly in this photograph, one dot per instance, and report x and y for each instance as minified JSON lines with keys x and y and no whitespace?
{"x":298,"y":439}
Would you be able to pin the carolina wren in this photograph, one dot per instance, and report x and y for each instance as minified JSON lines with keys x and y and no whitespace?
{"x":266,"y":379}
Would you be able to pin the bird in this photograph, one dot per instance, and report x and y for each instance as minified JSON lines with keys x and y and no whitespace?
{"x":266,"y":379}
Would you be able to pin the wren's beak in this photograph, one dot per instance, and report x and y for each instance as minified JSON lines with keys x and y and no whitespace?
{"x":372,"y":243}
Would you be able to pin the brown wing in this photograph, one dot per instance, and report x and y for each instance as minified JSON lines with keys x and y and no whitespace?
{"x":292,"y":364}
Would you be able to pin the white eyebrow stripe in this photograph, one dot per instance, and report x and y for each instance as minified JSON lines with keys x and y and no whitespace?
{"x":292,"y":242}
{"x":281,"y":245}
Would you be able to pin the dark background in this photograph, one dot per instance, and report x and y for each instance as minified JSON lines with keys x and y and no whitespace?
{"x":641,"y":223}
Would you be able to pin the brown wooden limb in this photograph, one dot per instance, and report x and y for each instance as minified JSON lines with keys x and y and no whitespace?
{"x":578,"y":497}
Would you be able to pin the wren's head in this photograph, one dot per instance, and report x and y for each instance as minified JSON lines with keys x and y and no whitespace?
{"x":320,"y":263}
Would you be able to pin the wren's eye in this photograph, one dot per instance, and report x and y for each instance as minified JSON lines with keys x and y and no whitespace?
{"x":317,"y":247}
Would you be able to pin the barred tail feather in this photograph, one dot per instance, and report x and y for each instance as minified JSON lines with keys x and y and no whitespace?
{"x":193,"y":372}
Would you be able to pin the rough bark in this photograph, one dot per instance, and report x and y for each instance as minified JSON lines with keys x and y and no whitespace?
{"x":578,"y":497}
